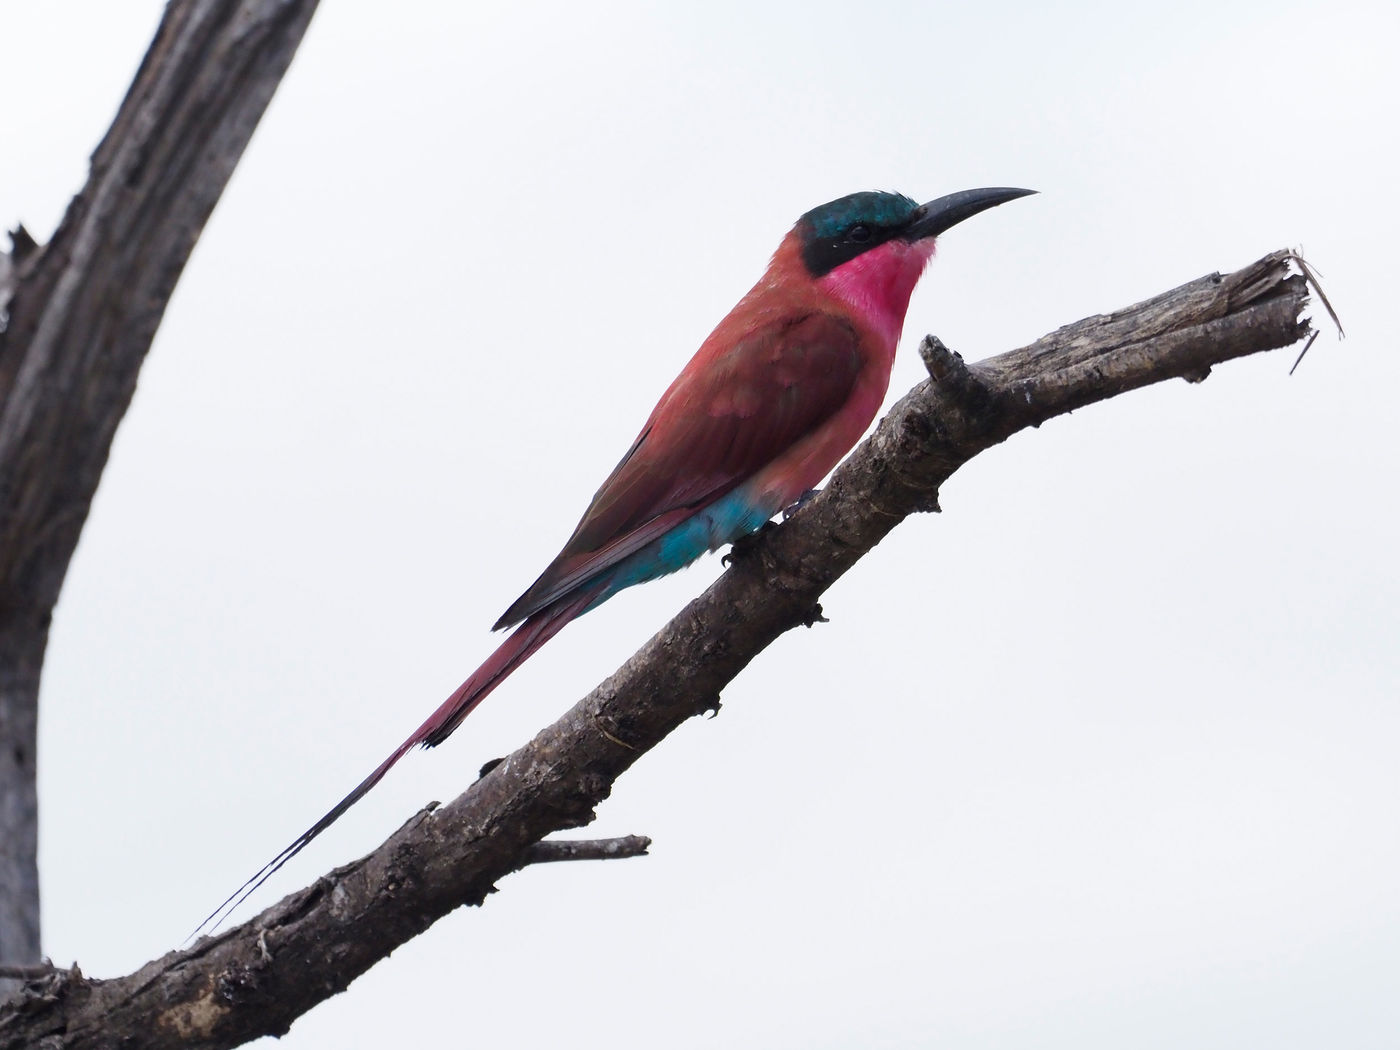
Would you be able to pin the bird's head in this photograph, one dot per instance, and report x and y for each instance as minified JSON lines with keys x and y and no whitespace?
{"x":837,"y":232}
{"x":869,"y":248}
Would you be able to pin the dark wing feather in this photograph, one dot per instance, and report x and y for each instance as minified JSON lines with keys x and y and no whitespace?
{"x":712,"y":431}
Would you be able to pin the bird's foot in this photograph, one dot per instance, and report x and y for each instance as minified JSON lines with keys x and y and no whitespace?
{"x":814,"y":616}
{"x":800,"y":502}
{"x":744,"y":546}
{"x":488,"y":767}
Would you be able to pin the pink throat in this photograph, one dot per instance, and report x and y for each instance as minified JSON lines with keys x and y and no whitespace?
{"x":877,"y":284}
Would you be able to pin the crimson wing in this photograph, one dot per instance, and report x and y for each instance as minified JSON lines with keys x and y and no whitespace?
{"x":714,"y":429}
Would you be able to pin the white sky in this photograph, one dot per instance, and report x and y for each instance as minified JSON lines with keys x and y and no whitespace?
{"x":1105,"y":755}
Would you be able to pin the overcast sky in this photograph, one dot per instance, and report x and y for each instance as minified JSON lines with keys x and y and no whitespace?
{"x":1103,"y":756}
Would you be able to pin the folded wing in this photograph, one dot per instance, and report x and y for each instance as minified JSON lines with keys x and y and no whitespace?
{"x":715,"y":428}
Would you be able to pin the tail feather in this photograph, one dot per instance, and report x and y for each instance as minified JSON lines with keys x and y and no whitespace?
{"x":514,"y":651}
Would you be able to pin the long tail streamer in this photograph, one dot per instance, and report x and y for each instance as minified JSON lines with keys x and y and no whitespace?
{"x":513,"y":652}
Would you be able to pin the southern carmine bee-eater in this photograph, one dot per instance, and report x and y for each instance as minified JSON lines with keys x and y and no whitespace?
{"x":772,"y":400}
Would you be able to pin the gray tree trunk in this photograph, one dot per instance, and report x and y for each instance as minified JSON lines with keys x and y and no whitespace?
{"x":82,"y":311}
{"x":21,"y":655}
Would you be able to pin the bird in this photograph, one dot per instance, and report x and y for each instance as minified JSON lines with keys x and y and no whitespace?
{"x":776,"y":395}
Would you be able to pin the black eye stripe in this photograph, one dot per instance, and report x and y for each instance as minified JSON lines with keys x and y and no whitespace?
{"x":838,"y":231}
{"x":822,"y":255}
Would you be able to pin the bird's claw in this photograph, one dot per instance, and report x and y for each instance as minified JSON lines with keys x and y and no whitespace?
{"x":710,"y":708}
{"x":744,"y":546}
{"x":799,"y":503}
{"x":488,"y":766}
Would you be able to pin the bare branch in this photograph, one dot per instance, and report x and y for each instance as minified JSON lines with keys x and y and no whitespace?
{"x":257,"y":979}
{"x":29,"y":972}
{"x":554,"y":850}
{"x":80,"y":313}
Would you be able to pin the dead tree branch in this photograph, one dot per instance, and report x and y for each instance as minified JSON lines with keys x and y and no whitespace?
{"x":80,"y":315}
{"x":257,"y":979}
{"x":552,"y":851}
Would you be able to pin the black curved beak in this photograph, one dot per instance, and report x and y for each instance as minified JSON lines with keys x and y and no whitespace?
{"x":946,"y":212}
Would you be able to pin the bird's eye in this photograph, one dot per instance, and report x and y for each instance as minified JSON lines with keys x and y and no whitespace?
{"x":859,"y":233}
